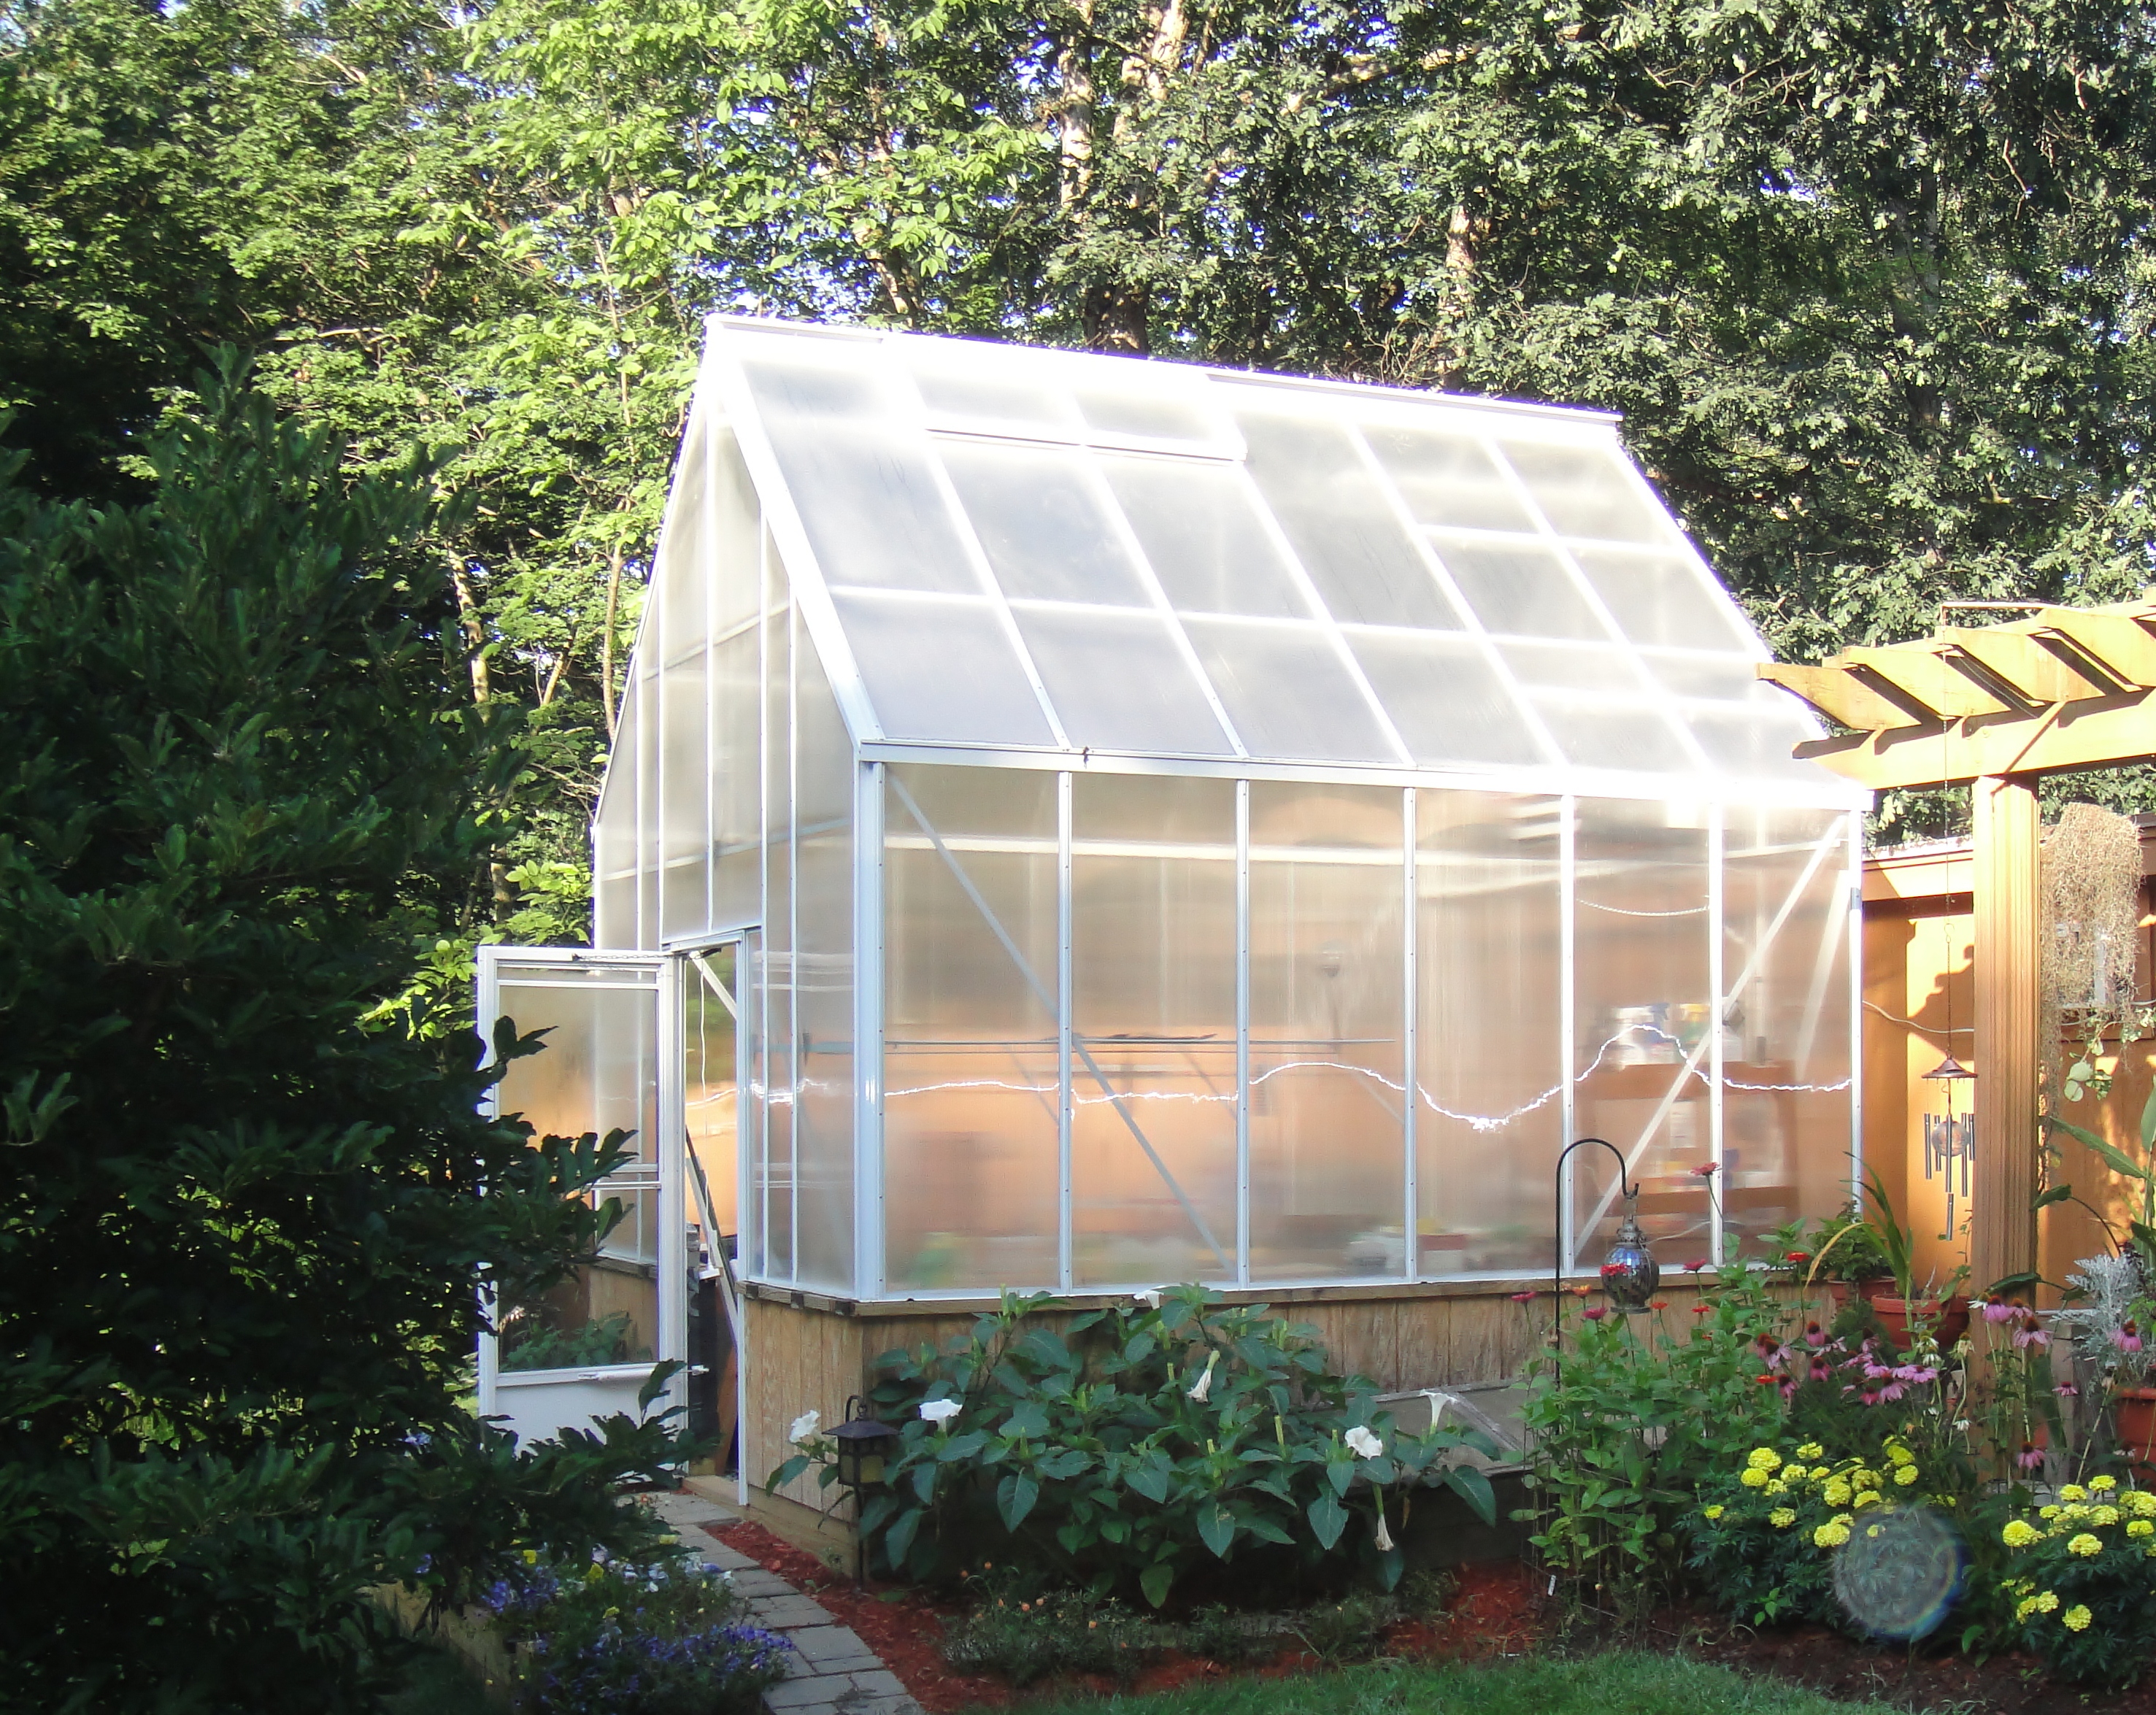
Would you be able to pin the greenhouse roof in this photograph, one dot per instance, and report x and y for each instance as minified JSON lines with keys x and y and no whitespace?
{"x":1048,"y":554}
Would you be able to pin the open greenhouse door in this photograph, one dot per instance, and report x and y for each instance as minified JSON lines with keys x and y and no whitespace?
{"x":582,"y":1350}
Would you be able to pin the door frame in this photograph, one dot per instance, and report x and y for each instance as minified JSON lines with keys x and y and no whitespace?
{"x":597,"y":1390}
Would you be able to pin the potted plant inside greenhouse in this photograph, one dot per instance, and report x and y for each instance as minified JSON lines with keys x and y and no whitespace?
{"x":1081,"y":823}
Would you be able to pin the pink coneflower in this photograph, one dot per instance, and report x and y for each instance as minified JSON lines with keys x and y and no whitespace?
{"x":2068,"y":1390}
{"x":1877,"y":1372}
{"x":1892,"y":1390}
{"x":1920,"y":1374}
{"x":1870,"y":1396}
{"x":2127,"y":1338}
{"x":2000,"y":1311}
{"x":1814,"y":1335}
{"x":2028,"y":1334}
{"x":1821,"y":1370}
{"x":2029,"y":1457}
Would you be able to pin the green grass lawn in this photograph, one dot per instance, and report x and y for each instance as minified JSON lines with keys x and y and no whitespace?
{"x":1621,"y":1682}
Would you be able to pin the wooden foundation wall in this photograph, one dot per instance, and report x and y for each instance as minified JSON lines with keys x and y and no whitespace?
{"x":814,"y":1356}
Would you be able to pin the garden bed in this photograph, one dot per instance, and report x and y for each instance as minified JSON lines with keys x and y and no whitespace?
{"x":1499,"y":1611}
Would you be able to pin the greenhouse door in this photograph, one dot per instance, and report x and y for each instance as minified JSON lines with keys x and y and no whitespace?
{"x":712,"y":1116}
{"x":583,"y":1349}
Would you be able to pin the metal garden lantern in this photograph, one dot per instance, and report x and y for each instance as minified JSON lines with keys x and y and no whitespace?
{"x":863,"y":1445}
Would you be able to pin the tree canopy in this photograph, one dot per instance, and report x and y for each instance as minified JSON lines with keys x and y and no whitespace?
{"x":1869,"y":285}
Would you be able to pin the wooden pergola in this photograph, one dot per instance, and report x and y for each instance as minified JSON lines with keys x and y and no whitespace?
{"x":1995,"y":707}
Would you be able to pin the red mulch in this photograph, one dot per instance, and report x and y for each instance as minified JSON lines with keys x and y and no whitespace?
{"x":1500,"y":1609}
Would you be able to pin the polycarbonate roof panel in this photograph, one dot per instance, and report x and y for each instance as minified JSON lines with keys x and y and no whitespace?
{"x":1004,"y":547}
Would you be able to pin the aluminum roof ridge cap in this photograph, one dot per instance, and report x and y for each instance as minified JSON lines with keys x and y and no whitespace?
{"x":1500,"y":404}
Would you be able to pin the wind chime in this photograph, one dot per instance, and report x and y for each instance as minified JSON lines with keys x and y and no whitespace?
{"x":1949,"y":1139}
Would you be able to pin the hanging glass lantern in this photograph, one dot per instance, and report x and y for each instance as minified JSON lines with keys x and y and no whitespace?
{"x":1629,"y":1272}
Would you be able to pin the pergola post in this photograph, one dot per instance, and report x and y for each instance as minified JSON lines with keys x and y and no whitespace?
{"x":2003,"y":1227}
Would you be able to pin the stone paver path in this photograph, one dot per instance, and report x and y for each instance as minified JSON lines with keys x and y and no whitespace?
{"x":831,"y":1671}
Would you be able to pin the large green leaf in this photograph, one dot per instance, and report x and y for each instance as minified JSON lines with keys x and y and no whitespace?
{"x":1327,"y":1518}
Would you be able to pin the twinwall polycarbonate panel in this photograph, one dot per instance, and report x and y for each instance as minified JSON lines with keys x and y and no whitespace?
{"x":737,"y":781}
{"x":1448,"y":478}
{"x":1524,"y":590}
{"x":1366,"y":567}
{"x":971,"y":1084}
{"x":1327,"y":983}
{"x":735,"y":521}
{"x":1287,"y":691}
{"x":823,"y":974}
{"x":685,"y":783}
{"x":1751,"y":744}
{"x":941,"y":669}
{"x":1572,"y":666}
{"x":1603,"y":732}
{"x":1586,"y":491}
{"x":1446,"y":700}
{"x":1153,"y":1141}
{"x":1642,"y":929}
{"x":1662,"y":598}
{"x":1204,"y":537}
{"x":1118,"y":682}
{"x":1490,"y":1074}
{"x":865,"y":493}
{"x":1044,"y":523}
{"x":1788,"y":1036}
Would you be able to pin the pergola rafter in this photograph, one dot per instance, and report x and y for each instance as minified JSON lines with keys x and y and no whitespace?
{"x":1994,"y":707}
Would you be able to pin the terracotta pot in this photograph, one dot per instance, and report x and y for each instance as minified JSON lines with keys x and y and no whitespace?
{"x":1870,"y":1291}
{"x":1949,"y":1320}
{"x":2133,"y":1419}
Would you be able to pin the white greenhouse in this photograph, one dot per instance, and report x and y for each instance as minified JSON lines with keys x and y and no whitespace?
{"x":1082,"y":823}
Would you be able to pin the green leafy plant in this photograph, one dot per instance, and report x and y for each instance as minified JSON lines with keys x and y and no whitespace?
{"x":1635,"y":1414}
{"x":603,"y":1341}
{"x":2140,"y":1174}
{"x":2082,"y":1581}
{"x":1022,"y":1638}
{"x":1127,"y":1446}
{"x":1348,"y":1629}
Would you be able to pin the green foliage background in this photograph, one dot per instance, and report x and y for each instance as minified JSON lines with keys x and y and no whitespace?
{"x":1870,"y":284}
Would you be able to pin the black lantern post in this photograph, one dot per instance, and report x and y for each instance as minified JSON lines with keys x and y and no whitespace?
{"x":1629,"y":1272}
{"x":863,"y":1445}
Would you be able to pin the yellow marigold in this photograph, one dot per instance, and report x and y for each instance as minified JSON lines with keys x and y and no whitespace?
{"x":2103,"y":1515}
{"x":1782,"y":1518}
{"x":1715,"y":1511}
{"x":1864,"y":1480}
{"x":2141,"y":1527}
{"x":2103,"y":1485}
{"x":1794,"y":1473}
{"x":1905,"y":1476}
{"x":2139,"y":1502}
{"x":1837,"y":1493}
{"x":2073,"y":1492}
{"x":2084,"y":1545}
{"x":1868,"y":1497}
{"x":2046,"y":1601}
{"x":2024,"y":1609}
{"x":2077,"y":1618}
{"x":1777,"y":1487}
{"x":2050,"y":1512}
{"x":1831,"y":1535}
{"x":1763,"y":1458}
{"x":2019,"y":1533}
{"x":1811,"y":1450}
{"x":1896,"y":1454}
{"x":1753,"y":1477}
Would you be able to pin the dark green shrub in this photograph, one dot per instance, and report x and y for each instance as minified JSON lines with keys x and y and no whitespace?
{"x":2083,"y":1584}
{"x":1221,"y":1634}
{"x":1136,"y":1444}
{"x":243,"y":789}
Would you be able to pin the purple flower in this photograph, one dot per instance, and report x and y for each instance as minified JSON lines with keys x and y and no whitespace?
{"x":2068,"y":1390}
{"x":2127,"y":1338}
{"x":1998,"y":1311}
{"x":2029,"y":1457}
